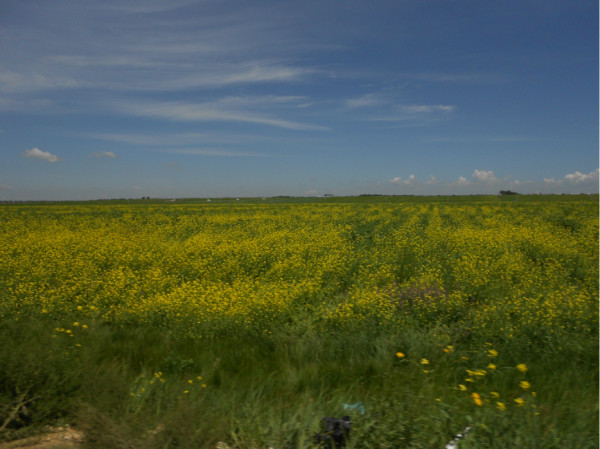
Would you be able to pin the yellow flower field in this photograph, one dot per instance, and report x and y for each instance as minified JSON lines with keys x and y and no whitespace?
{"x":247,"y":321}
{"x":497,"y":265}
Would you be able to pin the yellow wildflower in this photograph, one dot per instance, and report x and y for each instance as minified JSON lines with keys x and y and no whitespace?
{"x":522,"y":367}
{"x":520,"y":402}
{"x":424,"y":362}
{"x":400,"y":354}
{"x":476,"y":399}
{"x":524,"y":385}
{"x":492,"y":353}
{"x":501,"y":405}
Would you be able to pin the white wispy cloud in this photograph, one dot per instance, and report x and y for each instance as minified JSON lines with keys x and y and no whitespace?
{"x":18,"y":82}
{"x":462,"y":181}
{"x":139,"y":48}
{"x":151,"y":139}
{"x":432,"y":180}
{"x":459,"y":78}
{"x":146,"y":7}
{"x":518,"y":182}
{"x":575,"y":178}
{"x":427,"y":108}
{"x":258,"y":73}
{"x":485,"y":176}
{"x":102,"y":154}
{"x":368,"y":100}
{"x":211,"y":152}
{"x":411,"y":180}
{"x":212,"y":75}
{"x":482,"y":139}
{"x":579,"y":178}
{"x":36,"y":153}
{"x":206,"y":112}
{"x":413,"y":112}
{"x":169,"y":139}
{"x":258,"y":100}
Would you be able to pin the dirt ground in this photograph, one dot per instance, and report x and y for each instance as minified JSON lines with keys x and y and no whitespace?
{"x":57,"y":438}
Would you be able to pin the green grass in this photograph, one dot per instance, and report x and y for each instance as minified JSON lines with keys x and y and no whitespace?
{"x":273,"y":391}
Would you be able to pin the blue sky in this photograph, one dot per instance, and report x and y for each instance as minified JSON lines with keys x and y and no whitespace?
{"x":211,"y":98}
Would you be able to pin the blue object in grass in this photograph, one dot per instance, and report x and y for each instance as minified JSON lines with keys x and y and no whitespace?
{"x":358,"y":406}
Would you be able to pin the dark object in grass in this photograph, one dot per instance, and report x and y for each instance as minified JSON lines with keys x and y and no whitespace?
{"x":337,"y":432}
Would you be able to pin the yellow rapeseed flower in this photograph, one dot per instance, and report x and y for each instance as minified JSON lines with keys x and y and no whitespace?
{"x":462,"y":387}
{"x":520,"y":402}
{"x":476,"y":399}
{"x":501,"y":405}
{"x":492,"y":353}
{"x":424,"y":362}
{"x":400,"y":354}
{"x":522,"y":367}
{"x":524,"y":385}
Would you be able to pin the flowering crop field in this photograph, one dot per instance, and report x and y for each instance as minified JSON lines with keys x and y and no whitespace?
{"x":466,"y":299}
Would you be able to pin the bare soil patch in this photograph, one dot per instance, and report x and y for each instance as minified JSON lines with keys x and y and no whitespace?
{"x":56,"y":438}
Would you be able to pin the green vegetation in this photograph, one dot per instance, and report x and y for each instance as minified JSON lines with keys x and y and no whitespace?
{"x":155,"y":325}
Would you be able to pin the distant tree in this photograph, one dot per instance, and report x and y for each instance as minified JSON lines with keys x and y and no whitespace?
{"x":508,"y":192}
